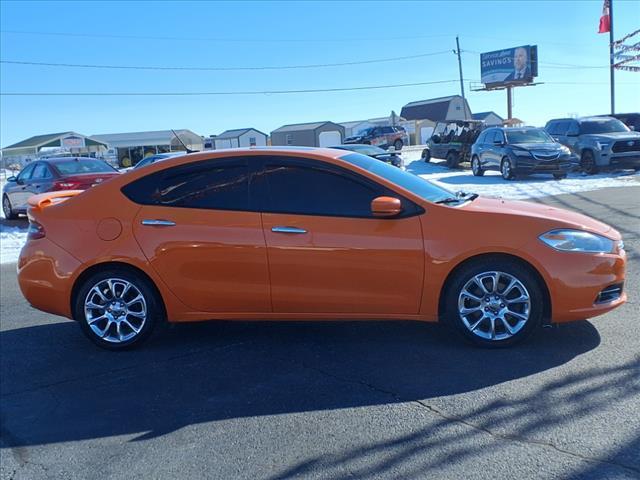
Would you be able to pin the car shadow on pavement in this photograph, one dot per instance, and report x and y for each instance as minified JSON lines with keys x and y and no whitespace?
{"x":500,"y":426}
{"x":58,"y":387}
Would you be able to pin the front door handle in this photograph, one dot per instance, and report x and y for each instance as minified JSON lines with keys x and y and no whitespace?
{"x":288,"y":230}
{"x":159,"y":223}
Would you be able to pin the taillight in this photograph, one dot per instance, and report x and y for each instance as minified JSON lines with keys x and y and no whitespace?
{"x":65,"y":185}
{"x":35,"y":231}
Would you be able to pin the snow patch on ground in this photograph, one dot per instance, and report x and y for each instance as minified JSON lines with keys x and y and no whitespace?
{"x":11,"y":241}
{"x":534,"y":186}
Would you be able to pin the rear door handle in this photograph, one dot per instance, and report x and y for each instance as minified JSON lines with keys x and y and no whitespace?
{"x":159,"y":223}
{"x":288,"y":230}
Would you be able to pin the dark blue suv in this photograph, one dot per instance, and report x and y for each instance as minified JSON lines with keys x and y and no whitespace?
{"x":520,"y":151}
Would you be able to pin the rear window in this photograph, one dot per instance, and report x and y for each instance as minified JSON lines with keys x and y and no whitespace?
{"x":84,"y":165}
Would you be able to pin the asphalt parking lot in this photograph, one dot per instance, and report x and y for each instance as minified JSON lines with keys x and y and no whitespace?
{"x":327,"y":400}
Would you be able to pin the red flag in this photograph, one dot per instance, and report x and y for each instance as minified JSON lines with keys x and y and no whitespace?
{"x":605,"y":19}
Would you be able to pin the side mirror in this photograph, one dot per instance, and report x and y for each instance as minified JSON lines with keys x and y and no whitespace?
{"x":632,"y":128}
{"x":12,"y":178}
{"x":386,"y":207}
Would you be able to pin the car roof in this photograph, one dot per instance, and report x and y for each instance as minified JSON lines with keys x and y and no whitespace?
{"x":66,"y":159}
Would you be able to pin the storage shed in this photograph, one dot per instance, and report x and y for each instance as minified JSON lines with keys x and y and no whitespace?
{"x":317,"y":134}
{"x":491,"y":119}
{"x":240,"y":137}
{"x":438,"y":109}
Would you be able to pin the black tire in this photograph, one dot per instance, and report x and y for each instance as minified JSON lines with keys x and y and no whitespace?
{"x":398,"y":144}
{"x":452,"y":160}
{"x":588,"y":162}
{"x":475,"y":166}
{"x":502,"y":338}
{"x":559,"y":176}
{"x":7,"y":209}
{"x":506,"y":169}
{"x":152,"y":302}
{"x":426,"y":155}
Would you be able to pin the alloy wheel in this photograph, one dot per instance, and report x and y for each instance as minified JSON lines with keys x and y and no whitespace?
{"x":6,"y":207}
{"x":494,"y":305}
{"x":115,"y":310}
{"x":506,"y":169}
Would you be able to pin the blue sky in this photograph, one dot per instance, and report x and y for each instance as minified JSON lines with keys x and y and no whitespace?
{"x":287,"y":33}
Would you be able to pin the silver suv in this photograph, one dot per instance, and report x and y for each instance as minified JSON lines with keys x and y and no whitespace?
{"x":599,"y":142}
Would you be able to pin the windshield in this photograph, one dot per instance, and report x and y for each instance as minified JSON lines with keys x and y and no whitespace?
{"x":416,"y":185}
{"x":528,"y":136}
{"x":85,"y":165}
{"x":366,"y":149}
{"x":366,"y":131}
{"x":606,"y":125}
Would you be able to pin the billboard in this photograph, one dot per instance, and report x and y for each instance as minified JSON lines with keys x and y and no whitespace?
{"x":509,"y":66}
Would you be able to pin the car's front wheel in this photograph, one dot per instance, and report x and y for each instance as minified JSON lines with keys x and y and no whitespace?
{"x":506,"y":169}
{"x":475,"y":166}
{"x":588,"y":162}
{"x":7,"y":209}
{"x":426,"y":155}
{"x":494,"y":302}
{"x":117,"y":308}
{"x":398,"y":144}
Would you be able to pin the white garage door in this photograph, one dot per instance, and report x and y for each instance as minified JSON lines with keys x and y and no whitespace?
{"x":329,"y":139}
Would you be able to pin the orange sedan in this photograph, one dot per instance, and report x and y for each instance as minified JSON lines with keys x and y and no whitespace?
{"x":303,"y":233}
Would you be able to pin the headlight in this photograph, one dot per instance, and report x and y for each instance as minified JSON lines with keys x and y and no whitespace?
{"x":565,"y":150}
{"x":603,"y":145}
{"x":521,"y":153}
{"x":578,"y":241}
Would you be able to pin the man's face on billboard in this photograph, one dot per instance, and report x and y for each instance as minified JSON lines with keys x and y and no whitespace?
{"x":520,"y":58}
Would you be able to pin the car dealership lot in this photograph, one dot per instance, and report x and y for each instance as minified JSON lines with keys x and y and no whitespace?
{"x":327,"y":400}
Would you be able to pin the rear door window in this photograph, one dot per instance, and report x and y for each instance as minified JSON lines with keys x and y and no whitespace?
{"x":41,"y":172}
{"x":212,"y":184}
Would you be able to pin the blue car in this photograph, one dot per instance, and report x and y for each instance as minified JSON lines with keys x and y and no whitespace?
{"x":520,"y":151}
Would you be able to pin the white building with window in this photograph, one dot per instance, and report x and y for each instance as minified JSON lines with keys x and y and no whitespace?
{"x":240,"y":137}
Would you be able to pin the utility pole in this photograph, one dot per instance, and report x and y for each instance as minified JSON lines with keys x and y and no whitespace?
{"x":509,"y":103}
{"x":457,"y":52}
{"x":611,"y":59}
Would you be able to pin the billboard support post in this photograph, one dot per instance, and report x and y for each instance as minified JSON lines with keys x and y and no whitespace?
{"x":611,"y":59}
{"x":509,"y":103}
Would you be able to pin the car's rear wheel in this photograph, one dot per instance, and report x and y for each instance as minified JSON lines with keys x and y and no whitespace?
{"x":117,"y":308}
{"x":398,"y":144}
{"x":452,"y":160}
{"x":506,"y":169}
{"x":7,"y":209}
{"x":475,"y":166}
{"x":426,"y":155}
{"x":494,"y":302}
{"x":588,"y":162}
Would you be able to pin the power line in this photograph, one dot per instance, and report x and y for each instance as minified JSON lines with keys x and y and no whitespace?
{"x":222,"y":69}
{"x":249,"y":92}
{"x":221,"y":39}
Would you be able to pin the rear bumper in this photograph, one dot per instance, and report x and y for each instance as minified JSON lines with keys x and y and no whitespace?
{"x":45,"y":276}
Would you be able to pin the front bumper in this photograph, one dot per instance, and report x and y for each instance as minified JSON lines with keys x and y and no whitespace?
{"x":582,"y":285}
{"x":529,"y":165}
